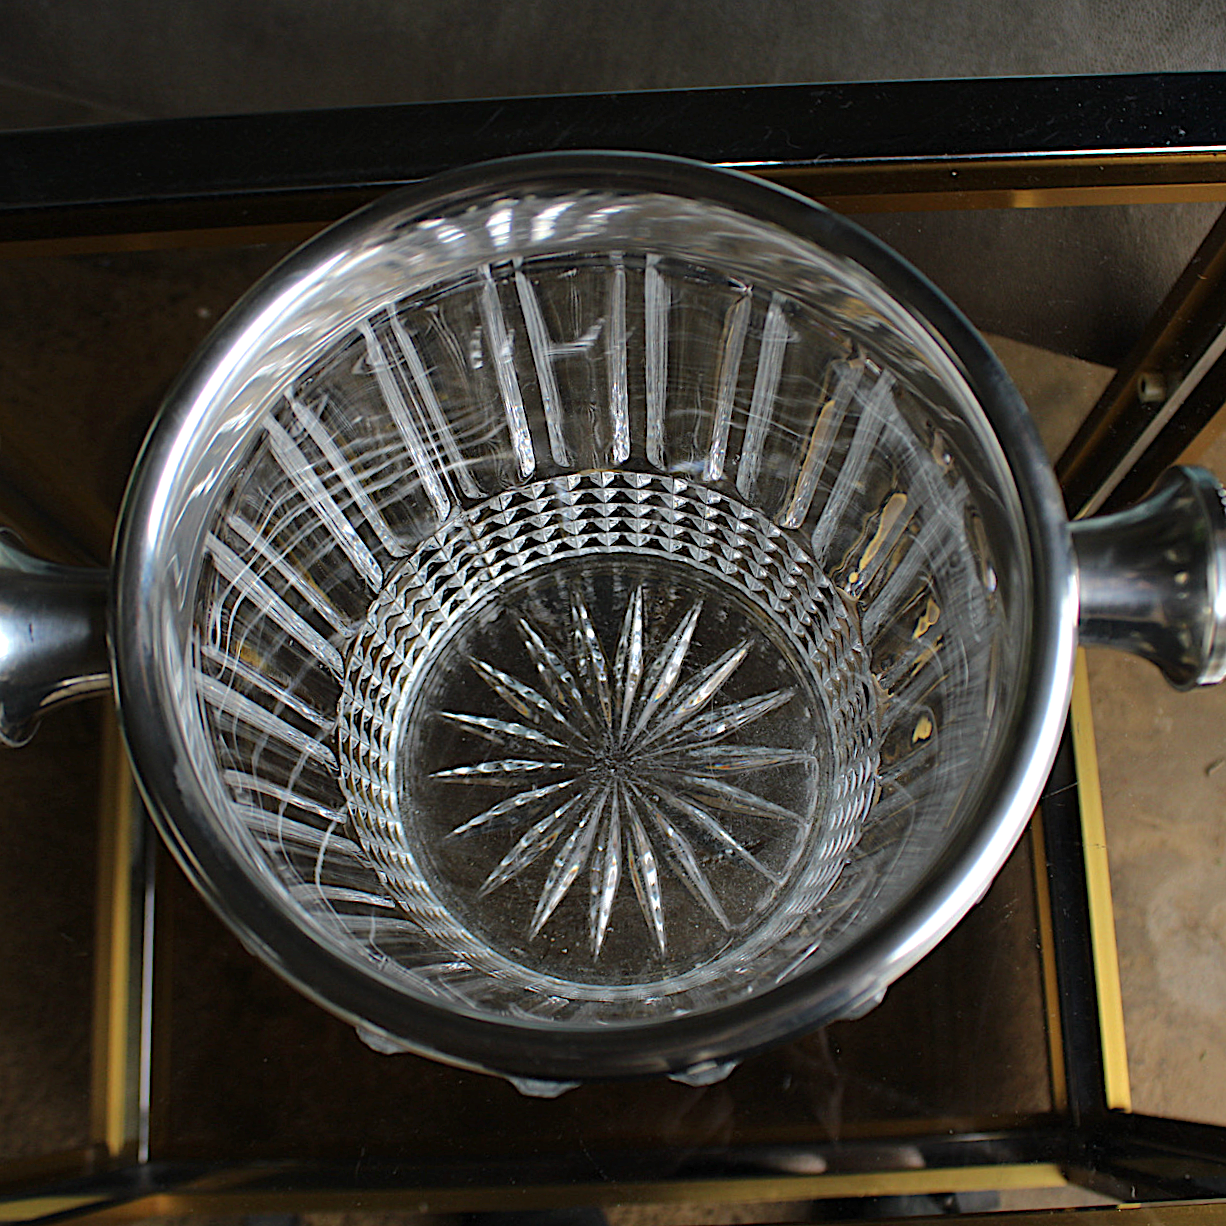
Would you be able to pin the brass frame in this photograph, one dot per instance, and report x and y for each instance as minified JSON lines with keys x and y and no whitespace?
{"x":1037,"y":182}
{"x":117,"y":1014}
{"x":518,"y":1197}
{"x":123,"y":989}
{"x":114,"y":1107}
{"x":1117,"y":1090}
{"x":885,"y":186}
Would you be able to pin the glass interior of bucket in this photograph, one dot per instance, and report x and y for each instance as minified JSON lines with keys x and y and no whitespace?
{"x":606,"y":620}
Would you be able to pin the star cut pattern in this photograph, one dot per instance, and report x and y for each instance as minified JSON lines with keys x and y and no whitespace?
{"x":622,"y":767}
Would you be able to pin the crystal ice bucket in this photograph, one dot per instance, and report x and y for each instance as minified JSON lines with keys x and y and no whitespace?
{"x":596,"y":615}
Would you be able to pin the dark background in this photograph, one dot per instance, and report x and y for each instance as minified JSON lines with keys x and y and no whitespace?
{"x":77,"y":61}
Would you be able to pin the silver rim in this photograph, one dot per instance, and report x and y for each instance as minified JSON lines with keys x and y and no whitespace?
{"x":205,"y":426}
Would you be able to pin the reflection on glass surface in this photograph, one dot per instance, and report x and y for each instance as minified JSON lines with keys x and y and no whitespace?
{"x":613,"y":631}
{"x":300,"y":1084}
{"x":245,"y":1068}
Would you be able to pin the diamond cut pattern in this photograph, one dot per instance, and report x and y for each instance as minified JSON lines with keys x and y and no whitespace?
{"x":635,"y":842}
{"x":630,"y":743}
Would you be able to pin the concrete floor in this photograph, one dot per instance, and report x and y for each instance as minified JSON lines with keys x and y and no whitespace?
{"x":1162,"y":761}
{"x":1162,"y":757}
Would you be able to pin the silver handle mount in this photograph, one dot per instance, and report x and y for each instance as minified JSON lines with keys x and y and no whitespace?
{"x":1153,"y":578}
{"x":53,"y":638}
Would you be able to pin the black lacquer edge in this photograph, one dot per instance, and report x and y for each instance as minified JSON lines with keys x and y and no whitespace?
{"x":479,"y":1185}
{"x":301,"y":158}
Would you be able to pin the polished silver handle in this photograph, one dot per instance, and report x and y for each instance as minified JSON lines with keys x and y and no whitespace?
{"x":53,"y":637}
{"x":1153,"y":578}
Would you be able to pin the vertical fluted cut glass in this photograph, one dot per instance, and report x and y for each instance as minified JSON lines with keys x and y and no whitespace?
{"x":606,"y":621}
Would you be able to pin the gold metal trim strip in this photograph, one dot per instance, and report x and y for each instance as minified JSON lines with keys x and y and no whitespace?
{"x":43,"y":1206}
{"x":1042,"y":181}
{"x":994,"y":181}
{"x":1098,"y":891}
{"x":711,"y":1191}
{"x":932,"y":201}
{"x":110,"y":1113}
